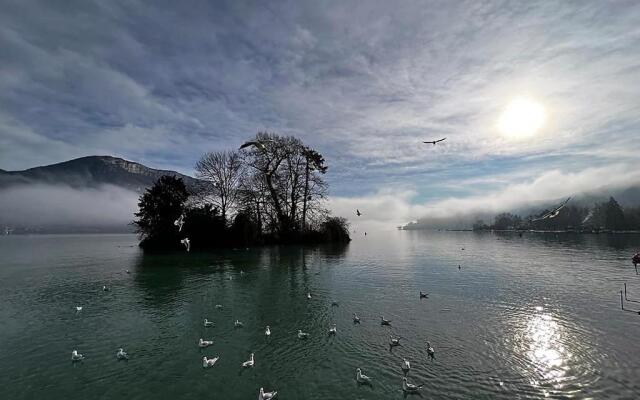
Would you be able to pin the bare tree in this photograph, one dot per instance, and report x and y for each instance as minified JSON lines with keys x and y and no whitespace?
{"x":223,"y":171}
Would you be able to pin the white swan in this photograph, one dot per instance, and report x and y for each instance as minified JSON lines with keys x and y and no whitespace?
{"x":333,"y":330}
{"x":75,"y":356}
{"x":362,"y":378}
{"x":187,"y":244}
{"x":384,"y":321}
{"x":394,"y":341}
{"x":267,"y":331}
{"x":248,"y":364}
{"x":78,"y":309}
{"x":209,"y":362}
{"x":266,"y":395}
{"x":410,"y":387}
{"x":122,"y":355}
{"x":204,"y":343}
{"x":207,"y":323}
{"x":406,"y":366}
{"x":430,"y":351}
{"x":302,"y":335}
{"x":238,"y":324}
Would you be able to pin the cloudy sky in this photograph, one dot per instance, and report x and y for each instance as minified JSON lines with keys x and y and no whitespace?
{"x":363,"y":82}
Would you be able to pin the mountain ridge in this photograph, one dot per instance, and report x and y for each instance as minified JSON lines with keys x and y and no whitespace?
{"x":92,"y":171}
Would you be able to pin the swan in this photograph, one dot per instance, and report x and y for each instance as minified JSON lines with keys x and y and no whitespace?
{"x":204,"y":343}
{"x":219,"y":306}
{"x":385,"y":321}
{"x":424,"y":295}
{"x":356,"y":319}
{"x":302,"y":335}
{"x":333,"y":330}
{"x":266,"y":395}
{"x":410,"y":387}
{"x":406,"y":366}
{"x":248,"y":364}
{"x":209,"y":362}
{"x":362,"y":378}
{"x":394,"y":341}
{"x":122,"y":355}
{"x":267,"y":331}
{"x":238,"y":324}
{"x":78,"y":309}
{"x":75,"y":356}
{"x":207,"y":323}
{"x":430,"y":351}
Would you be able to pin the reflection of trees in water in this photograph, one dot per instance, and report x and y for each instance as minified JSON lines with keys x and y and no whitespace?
{"x":161,"y":277}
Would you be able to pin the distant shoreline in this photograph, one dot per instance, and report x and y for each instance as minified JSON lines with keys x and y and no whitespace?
{"x":625,"y":232}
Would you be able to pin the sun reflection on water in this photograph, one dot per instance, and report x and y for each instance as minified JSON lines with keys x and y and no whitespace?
{"x":545,"y":349}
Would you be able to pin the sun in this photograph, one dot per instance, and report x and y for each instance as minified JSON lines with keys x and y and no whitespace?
{"x":522,"y":118}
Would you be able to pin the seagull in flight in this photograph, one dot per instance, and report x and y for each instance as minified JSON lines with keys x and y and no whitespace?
{"x":554,"y":213}
{"x":187,"y":243}
{"x":266,"y":395}
{"x":433,"y":142}
{"x":358,"y":213}
{"x":259,"y":144}
{"x":179,"y":222}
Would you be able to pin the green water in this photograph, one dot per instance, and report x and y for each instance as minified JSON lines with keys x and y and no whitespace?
{"x":529,"y":317}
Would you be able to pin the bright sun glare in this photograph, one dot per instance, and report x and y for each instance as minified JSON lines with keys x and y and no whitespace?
{"x":522,"y":118}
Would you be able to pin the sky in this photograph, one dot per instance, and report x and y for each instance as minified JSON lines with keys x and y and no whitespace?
{"x":363,"y":82}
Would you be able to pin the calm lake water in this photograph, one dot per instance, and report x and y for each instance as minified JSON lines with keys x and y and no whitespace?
{"x":524,"y":318}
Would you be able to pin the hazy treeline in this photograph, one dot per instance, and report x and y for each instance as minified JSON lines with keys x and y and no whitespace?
{"x":272,"y":191}
{"x":608,"y":215}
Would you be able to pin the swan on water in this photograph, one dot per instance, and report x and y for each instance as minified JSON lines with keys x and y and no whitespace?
{"x":333,"y":330}
{"x":394,"y":341}
{"x":78,"y":309}
{"x":204,"y":343}
{"x":410,"y":387}
{"x":362,"y":378}
{"x":207,"y":323}
{"x":384,"y":321}
{"x":187,"y":243}
{"x":248,"y":364}
{"x":266,"y":395}
{"x":75,"y":356}
{"x":406,"y":366}
{"x":302,"y":335}
{"x":430,"y":351}
{"x":424,"y":295}
{"x":219,"y":306}
{"x":238,"y":324}
{"x":356,"y":319}
{"x":267,"y":331}
{"x":209,"y":362}
{"x":122,"y":355}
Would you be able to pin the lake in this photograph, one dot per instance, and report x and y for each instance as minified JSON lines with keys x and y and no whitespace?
{"x":523,"y":317}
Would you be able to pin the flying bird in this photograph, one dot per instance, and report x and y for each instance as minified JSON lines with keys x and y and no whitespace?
{"x":204,"y":343}
{"x":75,"y":356}
{"x":259,"y":144}
{"x":179,"y":222}
{"x":553,"y":213}
{"x":358,"y":213}
{"x":209,"y":362}
{"x":433,"y":142}
{"x":248,"y":364}
{"x":333,"y":330}
{"x":266,"y":395}
{"x":187,"y":244}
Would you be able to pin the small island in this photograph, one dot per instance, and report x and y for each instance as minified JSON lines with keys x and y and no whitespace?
{"x":270,"y":191}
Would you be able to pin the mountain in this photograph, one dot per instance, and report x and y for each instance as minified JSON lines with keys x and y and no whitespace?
{"x":91,"y":172}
